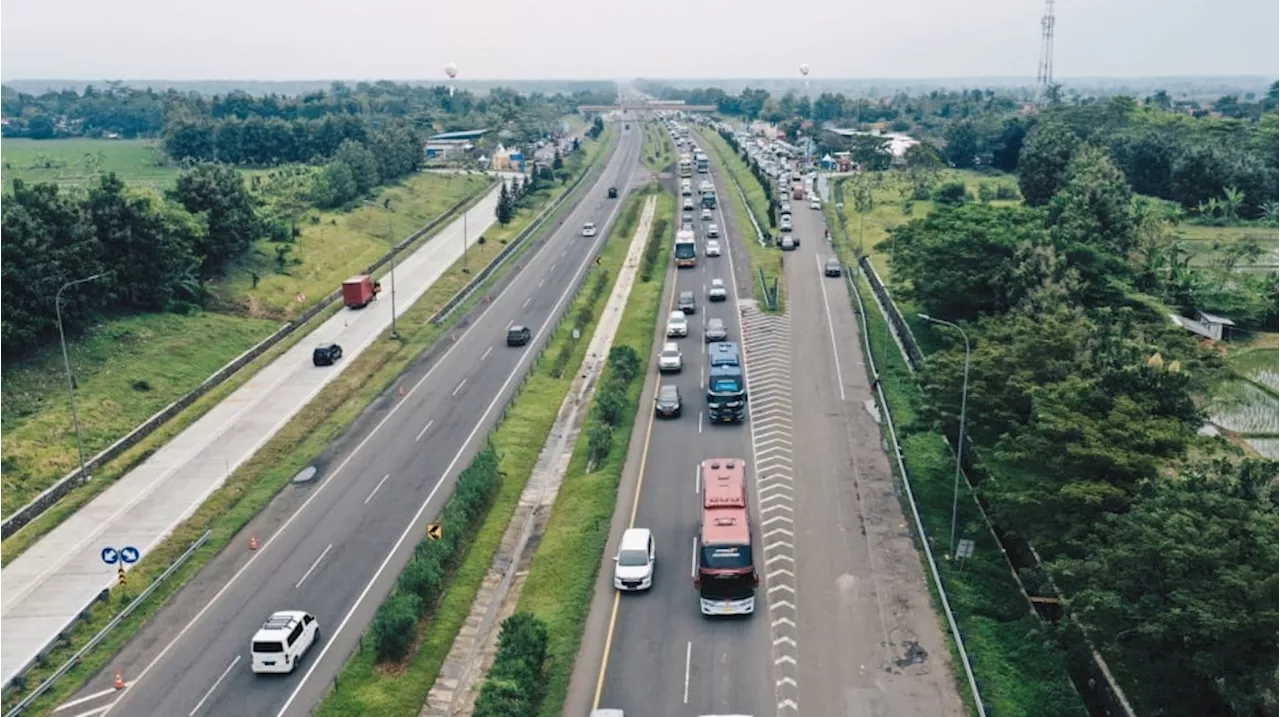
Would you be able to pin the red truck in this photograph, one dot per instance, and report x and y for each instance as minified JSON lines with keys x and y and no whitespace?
{"x":358,"y":291}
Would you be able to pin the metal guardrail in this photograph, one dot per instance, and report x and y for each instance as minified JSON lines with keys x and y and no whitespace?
{"x":54,"y":493}
{"x":102,"y":634}
{"x":911,"y":500}
{"x":534,"y":226}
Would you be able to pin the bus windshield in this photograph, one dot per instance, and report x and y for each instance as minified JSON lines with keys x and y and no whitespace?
{"x":731,"y":586}
{"x":685,"y":250}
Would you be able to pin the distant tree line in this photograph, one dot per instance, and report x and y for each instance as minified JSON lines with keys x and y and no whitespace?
{"x":154,"y":250}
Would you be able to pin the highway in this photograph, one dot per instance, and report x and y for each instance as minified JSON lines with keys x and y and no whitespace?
{"x":664,"y":657}
{"x":334,"y":547}
{"x":869,"y":640}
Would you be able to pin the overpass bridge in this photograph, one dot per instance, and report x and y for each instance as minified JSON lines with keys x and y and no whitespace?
{"x":646,"y":107}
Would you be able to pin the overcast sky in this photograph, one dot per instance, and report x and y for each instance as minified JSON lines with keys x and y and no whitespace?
{"x":572,"y":39}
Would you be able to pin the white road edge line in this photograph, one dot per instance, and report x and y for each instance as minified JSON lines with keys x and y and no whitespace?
{"x":459,"y":388}
{"x":688,"y":658}
{"x":826,"y":306}
{"x":317,"y":562}
{"x":320,"y":489}
{"x":86,"y":698}
{"x":375,"y":488}
{"x":95,"y":710}
{"x":208,"y":694}
{"x":424,"y":430}
{"x":587,"y":258}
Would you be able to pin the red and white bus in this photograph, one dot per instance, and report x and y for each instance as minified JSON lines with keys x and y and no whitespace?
{"x":726,"y":576}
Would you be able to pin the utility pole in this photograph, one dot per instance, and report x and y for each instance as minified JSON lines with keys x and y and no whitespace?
{"x":66,"y":360}
{"x":391,"y":237}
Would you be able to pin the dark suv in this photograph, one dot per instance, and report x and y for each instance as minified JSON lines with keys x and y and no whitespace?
{"x":613,"y":192}
{"x":326,"y":354}
{"x":686,"y":302}
{"x":518,"y":335}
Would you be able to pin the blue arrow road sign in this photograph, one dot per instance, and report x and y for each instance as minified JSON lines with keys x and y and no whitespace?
{"x":129,"y":554}
{"x":110,"y":556}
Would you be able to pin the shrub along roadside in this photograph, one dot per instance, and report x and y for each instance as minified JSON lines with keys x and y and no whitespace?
{"x":422,"y":581}
{"x":562,"y":576}
{"x":1018,"y":666}
{"x":255,"y":483}
{"x":514,"y":685}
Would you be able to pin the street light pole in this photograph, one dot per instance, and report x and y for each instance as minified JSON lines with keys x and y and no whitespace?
{"x":66,"y":360}
{"x":391,"y":236}
{"x":964,"y":399}
{"x":465,"y":270}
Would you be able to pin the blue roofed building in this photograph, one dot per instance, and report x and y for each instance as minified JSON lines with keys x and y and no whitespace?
{"x":449,"y":145}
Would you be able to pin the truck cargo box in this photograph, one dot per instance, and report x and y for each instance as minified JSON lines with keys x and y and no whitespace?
{"x":358,"y":291}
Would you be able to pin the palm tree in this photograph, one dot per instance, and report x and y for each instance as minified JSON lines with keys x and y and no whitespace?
{"x":1233,"y":200}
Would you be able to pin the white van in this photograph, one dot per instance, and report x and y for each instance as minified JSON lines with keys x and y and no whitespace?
{"x":284,"y":638}
{"x":634,"y":561}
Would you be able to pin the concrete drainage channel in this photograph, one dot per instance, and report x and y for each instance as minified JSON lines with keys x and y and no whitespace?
{"x":472,"y":652}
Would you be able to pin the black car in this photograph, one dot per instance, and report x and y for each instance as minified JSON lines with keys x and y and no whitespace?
{"x":832,"y":267}
{"x":716,"y":331}
{"x":667,"y":402}
{"x":686,"y":302}
{"x":613,"y":192}
{"x":518,"y":335}
{"x":326,"y":354}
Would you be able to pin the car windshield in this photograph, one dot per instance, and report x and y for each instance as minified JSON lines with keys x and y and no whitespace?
{"x":633,"y":558}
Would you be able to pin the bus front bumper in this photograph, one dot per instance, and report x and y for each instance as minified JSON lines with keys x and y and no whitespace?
{"x":746,"y":606}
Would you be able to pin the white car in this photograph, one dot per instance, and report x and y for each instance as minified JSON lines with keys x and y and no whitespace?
{"x":670,"y":360}
{"x":633,"y":565}
{"x":713,"y":232}
{"x":815,"y":204}
{"x":717,"y":292}
{"x":688,"y":204}
{"x":706,"y":215}
{"x":284,"y":638}
{"x":713,"y":248}
{"x":589,"y":229}
{"x":784,"y":222}
{"x":677,"y":325}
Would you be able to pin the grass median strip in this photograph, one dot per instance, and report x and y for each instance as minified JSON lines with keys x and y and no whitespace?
{"x":1018,"y":665}
{"x":374,"y":687}
{"x":256,"y":482}
{"x":562,"y":576}
{"x":107,"y":474}
{"x":762,"y":257}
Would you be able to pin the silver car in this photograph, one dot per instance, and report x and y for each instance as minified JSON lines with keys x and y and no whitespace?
{"x":715,"y":331}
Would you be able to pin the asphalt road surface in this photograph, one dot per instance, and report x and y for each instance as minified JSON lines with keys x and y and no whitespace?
{"x":665,"y":658}
{"x":334,"y":547}
{"x":869,"y":642}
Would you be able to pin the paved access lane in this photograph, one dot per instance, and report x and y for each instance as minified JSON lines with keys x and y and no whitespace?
{"x":339,"y":551}
{"x":666,"y":658}
{"x":869,"y":640}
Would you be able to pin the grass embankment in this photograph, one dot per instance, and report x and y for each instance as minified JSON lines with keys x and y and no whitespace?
{"x":1018,"y":665}
{"x":658,"y":153}
{"x":259,"y":479}
{"x":128,"y":368}
{"x":762,"y":257}
{"x":562,"y":577}
{"x":369,"y":687}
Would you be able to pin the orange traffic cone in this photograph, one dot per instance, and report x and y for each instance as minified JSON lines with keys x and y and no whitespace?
{"x":253,"y":542}
{"x":119,"y":680}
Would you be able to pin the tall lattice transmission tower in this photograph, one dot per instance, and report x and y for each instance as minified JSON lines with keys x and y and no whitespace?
{"x":1044,"y":76}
